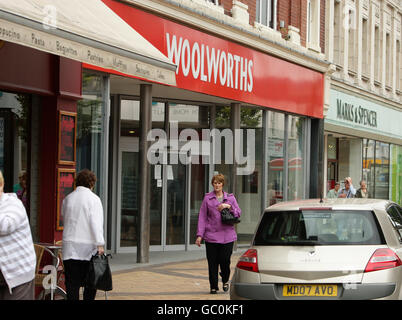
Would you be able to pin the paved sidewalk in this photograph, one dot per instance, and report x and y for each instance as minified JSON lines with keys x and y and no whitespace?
{"x":180,"y":280}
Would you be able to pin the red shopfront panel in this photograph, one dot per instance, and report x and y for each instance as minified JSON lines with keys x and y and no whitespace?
{"x":215,"y":66}
{"x":25,"y":69}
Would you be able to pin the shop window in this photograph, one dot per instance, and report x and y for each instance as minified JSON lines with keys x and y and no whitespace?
{"x":130,"y":174}
{"x":189,"y":121}
{"x":296,"y":159}
{"x":222,"y":122}
{"x":369,"y":164}
{"x":381,"y":170}
{"x":275,"y":152}
{"x":249,"y":185}
{"x":376,"y":168}
{"x":398,"y":66}
{"x":332,"y":164}
{"x":90,"y":126}
{"x":129,"y":118}
{"x":14,"y":144}
{"x":396,"y":174}
{"x":266,"y":12}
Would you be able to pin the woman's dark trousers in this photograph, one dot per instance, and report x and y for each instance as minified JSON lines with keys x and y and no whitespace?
{"x":75,"y":274}
{"x":218,"y":255}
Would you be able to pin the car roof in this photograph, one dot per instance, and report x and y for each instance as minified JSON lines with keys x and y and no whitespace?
{"x":334,"y":204}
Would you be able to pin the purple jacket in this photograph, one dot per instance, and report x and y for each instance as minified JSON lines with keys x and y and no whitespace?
{"x":210,"y":227}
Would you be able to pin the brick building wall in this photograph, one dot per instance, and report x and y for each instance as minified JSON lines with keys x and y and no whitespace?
{"x":322,"y":27}
{"x":227,"y":5}
{"x":303,"y":22}
{"x":252,"y":10}
{"x":291,"y":12}
{"x":283,"y":14}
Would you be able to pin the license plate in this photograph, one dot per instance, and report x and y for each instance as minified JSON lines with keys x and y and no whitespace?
{"x":310,"y":290}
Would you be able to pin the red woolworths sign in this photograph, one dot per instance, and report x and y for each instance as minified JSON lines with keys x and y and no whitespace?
{"x":214,"y":66}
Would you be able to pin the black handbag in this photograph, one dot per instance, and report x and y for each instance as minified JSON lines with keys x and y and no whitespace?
{"x":228,"y":217}
{"x":99,"y":275}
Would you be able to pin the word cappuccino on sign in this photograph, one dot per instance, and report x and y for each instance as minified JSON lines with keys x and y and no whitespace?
{"x":210,"y":64}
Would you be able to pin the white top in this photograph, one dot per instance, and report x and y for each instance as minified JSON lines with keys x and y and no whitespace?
{"x":82,"y":213}
{"x":17,"y":253}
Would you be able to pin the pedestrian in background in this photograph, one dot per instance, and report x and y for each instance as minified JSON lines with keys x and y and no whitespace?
{"x":219,"y":238}
{"x":362,"y":192}
{"x":348,"y":191}
{"x":82,"y":235}
{"x":333,"y":193}
{"x":17,"y":252}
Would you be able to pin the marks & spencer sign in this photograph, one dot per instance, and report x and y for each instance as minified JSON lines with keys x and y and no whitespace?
{"x":356,"y":113}
{"x":353,"y":111}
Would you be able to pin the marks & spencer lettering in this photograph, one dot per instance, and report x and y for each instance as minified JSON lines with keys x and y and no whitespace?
{"x":358,"y":115}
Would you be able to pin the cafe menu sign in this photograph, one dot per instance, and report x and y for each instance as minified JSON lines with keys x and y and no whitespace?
{"x":47,"y":42}
{"x":67,"y":139}
{"x":65,"y":185}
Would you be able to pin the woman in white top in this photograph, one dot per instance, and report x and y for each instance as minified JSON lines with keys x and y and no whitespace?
{"x":82,"y":235}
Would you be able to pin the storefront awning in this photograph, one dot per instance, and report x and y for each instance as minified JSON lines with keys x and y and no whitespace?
{"x":86,"y":31}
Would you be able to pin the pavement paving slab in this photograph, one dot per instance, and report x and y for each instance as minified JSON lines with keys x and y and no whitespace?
{"x":180,"y":280}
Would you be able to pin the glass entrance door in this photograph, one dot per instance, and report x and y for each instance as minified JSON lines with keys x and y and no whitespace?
{"x":173,"y":207}
{"x":127,"y":235}
{"x":176,"y":200}
{"x":176,"y":190}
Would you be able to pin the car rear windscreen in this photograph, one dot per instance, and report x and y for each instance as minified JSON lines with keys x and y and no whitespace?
{"x":330,"y":227}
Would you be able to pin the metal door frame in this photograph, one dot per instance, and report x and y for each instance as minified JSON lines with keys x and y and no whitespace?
{"x":126,"y":145}
{"x":186,"y":215}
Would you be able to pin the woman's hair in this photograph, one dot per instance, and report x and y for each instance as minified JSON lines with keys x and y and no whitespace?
{"x":1,"y":178}
{"x":219,"y":178}
{"x":85,"y":178}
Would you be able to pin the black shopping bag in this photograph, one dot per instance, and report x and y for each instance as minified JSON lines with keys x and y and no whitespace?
{"x":99,"y":275}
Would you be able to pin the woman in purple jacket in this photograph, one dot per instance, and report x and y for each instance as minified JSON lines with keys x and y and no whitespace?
{"x":218,"y":237}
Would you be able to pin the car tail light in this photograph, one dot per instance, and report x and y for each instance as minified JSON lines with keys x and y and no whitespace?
{"x":383,"y":259}
{"x":248,"y":261}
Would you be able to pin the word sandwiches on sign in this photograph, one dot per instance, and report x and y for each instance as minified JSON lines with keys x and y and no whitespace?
{"x":210,"y":64}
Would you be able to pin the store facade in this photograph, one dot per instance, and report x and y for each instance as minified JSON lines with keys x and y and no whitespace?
{"x":234,"y":110}
{"x":226,"y":106}
{"x":363,"y":140}
{"x":43,"y":106}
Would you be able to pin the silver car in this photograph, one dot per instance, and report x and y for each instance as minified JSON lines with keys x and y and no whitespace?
{"x":334,"y":249}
